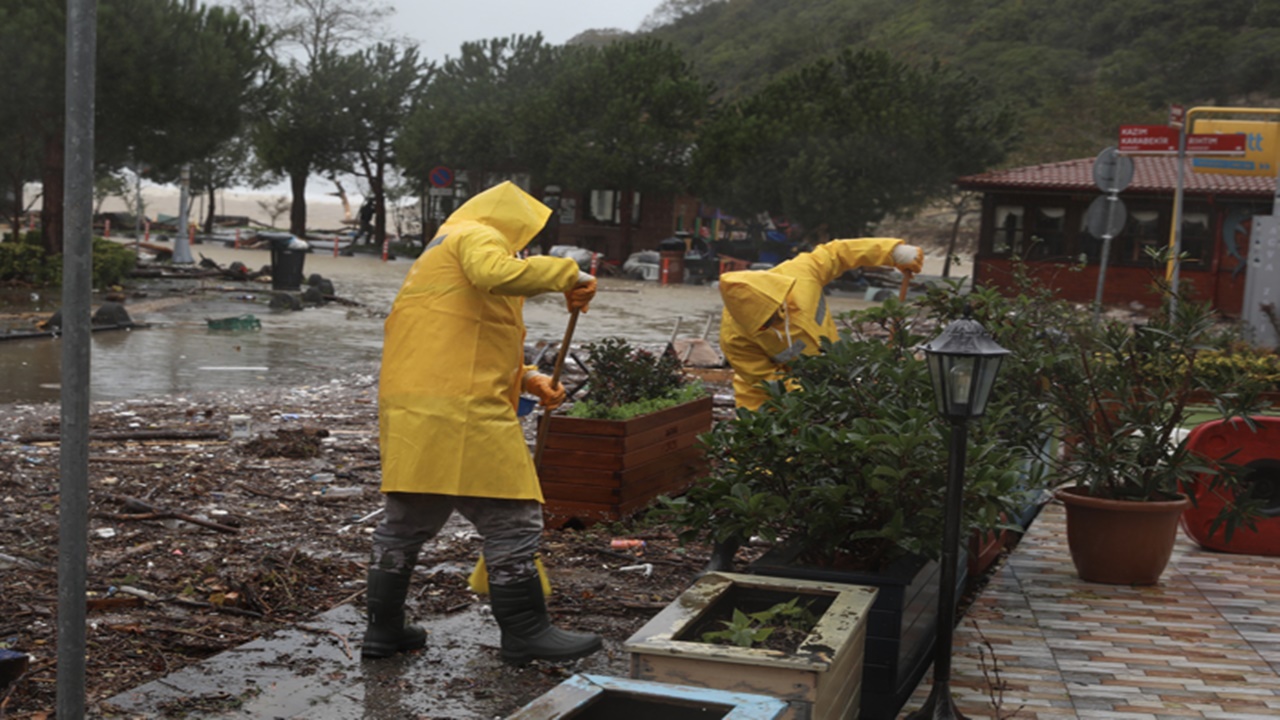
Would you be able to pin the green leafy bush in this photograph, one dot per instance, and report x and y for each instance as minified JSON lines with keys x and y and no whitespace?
{"x":850,"y":467}
{"x":627,"y":381}
{"x":28,"y":262}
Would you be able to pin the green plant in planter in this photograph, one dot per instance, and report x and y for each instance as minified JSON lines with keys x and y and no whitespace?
{"x":850,"y":465}
{"x":627,"y":381}
{"x":1123,"y":396}
{"x":751,"y":629}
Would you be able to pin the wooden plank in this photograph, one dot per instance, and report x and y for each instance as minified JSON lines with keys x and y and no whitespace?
{"x":623,"y":444}
{"x":584,"y":493}
{"x":614,"y":461}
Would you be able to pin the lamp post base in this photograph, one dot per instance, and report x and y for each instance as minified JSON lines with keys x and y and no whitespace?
{"x":939,"y":706}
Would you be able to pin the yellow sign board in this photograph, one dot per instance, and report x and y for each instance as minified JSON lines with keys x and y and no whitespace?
{"x":1262,"y":148}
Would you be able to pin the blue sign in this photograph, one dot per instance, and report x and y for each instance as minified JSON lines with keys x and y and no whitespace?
{"x":441,"y":177}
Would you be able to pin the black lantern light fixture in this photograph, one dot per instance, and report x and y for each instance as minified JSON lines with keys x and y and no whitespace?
{"x":963,"y":362}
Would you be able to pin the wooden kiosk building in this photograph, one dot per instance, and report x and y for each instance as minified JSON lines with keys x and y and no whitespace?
{"x":1038,"y":213}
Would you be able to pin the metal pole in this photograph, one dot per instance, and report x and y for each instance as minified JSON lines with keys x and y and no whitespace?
{"x":1175,"y":262}
{"x":940,"y":706}
{"x":181,"y":243}
{"x":77,"y":279}
{"x":137,"y":220}
{"x":1112,"y":199}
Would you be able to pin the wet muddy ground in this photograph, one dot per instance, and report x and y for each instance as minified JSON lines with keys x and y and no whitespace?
{"x":200,"y":544}
{"x":253,"y":551}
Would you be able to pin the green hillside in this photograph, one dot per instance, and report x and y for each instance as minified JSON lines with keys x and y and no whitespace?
{"x":1072,"y":69}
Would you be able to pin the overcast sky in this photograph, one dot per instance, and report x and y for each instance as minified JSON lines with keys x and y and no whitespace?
{"x":440,"y":28}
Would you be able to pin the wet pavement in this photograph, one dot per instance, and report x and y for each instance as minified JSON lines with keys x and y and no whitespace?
{"x":179,"y":354}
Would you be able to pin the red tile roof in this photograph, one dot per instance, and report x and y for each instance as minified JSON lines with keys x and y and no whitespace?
{"x":1155,"y":174}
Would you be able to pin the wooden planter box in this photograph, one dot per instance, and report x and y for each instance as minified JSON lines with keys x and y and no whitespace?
{"x":821,"y":680}
{"x":598,"y":697}
{"x":901,"y":626}
{"x":601,"y":470}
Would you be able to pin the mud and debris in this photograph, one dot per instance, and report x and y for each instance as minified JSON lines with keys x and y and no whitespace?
{"x":199,"y":544}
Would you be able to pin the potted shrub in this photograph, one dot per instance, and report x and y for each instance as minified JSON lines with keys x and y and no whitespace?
{"x":846,"y":474}
{"x":817,"y":671}
{"x":631,"y":438}
{"x":1123,"y":397}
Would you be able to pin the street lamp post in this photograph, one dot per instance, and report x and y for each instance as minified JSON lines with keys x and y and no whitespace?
{"x":963,"y":362}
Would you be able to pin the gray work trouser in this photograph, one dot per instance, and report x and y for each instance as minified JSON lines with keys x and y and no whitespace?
{"x":511,"y":530}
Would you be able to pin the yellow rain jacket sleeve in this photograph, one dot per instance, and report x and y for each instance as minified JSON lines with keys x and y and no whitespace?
{"x":453,"y":353}
{"x":751,"y":297}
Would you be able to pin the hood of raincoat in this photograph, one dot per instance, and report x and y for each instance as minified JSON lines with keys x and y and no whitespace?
{"x":514,"y":213}
{"x":751,"y":296}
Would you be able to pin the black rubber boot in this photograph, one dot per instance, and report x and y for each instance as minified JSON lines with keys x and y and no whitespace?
{"x":722,"y":555}
{"x":387,"y":633}
{"x":527,"y":632}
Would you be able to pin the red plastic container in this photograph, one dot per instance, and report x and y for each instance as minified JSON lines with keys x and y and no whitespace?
{"x":1259,"y":451}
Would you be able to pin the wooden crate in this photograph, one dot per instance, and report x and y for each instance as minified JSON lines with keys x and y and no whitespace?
{"x":594,"y":470}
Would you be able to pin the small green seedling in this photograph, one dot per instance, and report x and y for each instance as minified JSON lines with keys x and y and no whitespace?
{"x":750,"y":629}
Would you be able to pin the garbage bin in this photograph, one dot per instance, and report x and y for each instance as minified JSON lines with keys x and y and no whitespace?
{"x":287,"y":258}
{"x":672,"y":251}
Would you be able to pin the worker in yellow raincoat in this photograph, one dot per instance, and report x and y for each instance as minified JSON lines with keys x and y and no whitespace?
{"x":773,"y":316}
{"x":452,"y":374}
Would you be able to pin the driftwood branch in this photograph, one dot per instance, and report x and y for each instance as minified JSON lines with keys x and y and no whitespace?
{"x":132,"y":435}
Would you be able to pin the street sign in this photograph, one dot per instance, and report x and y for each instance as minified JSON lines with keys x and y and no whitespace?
{"x":441,"y":177}
{"x":1148,"y":138}
{"x":1103,"y":224}
{"x":1215,"y":144}
{"x":1112,"y":172}
{"x":1177,"y":114}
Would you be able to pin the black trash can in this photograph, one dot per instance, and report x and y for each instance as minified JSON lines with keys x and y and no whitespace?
{"x":286,"y":262}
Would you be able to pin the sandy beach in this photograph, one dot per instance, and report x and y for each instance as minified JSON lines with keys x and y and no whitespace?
{"x":324,"y":211}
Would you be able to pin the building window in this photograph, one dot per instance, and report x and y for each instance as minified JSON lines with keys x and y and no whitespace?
{"x":1197,"y":237}
{"x":1048,"y":233}
{"x":1142,"y":232}
{"x":605,"y":206}
{"x":1008,"y":230}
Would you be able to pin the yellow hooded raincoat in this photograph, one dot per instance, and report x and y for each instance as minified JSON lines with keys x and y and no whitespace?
{"x":751,"y":297}
{"x":453,"y":355}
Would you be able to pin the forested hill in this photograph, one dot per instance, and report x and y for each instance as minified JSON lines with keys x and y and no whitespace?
{"x":1072,"y":69}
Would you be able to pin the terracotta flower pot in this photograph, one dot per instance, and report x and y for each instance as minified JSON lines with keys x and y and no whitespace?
{"x":1120,"y":542}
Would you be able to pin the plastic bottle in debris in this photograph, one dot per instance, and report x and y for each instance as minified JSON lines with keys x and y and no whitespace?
{"x":340,"y":493}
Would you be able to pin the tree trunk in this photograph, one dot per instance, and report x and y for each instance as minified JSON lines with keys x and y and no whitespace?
{"x":624,"y":209}
{"x":208,"y":223}
{"x":298,"y":211}
{"x":15,"y":220}
{"x":51,"y":177}
{"x":376,"y":184}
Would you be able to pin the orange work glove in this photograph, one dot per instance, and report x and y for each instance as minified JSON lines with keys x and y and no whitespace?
{"x":581,"y":294}
{"x":908,"y":258}
{"x":538,"y":384}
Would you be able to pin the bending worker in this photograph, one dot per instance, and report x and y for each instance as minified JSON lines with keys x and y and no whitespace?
{"x":452,"y":373}
{"x":773,"y":316}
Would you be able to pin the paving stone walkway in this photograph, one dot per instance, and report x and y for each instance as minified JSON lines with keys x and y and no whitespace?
{"x":1204,"y":643}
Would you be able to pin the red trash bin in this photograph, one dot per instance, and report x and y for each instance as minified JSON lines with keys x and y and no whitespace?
{"x":1260,"y":452}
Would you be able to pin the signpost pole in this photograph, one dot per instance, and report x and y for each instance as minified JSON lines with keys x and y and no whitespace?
{"x":1112,"y":172}
{"x":1174,"y":265}
{"x":1106,"y":253}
